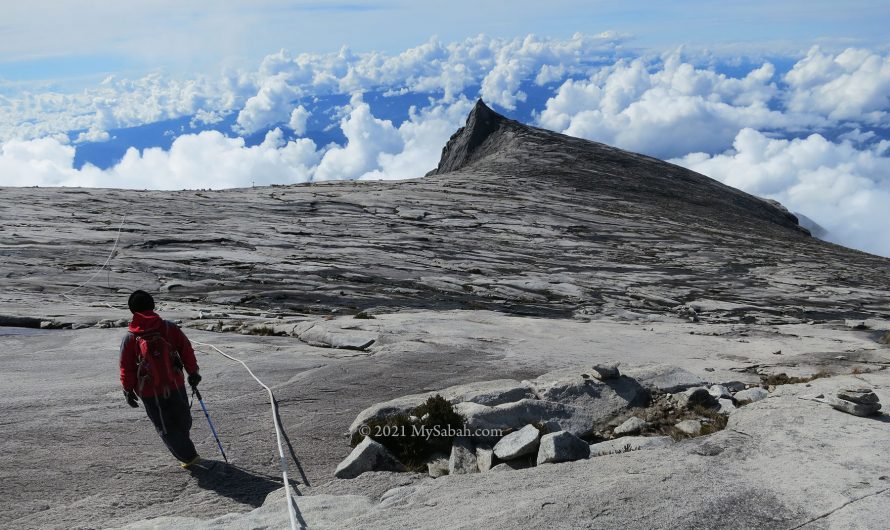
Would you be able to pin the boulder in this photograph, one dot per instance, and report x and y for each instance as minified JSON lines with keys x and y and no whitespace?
{"x":631,"y":426}
{"x":734,"y":386}
{"x":489,"y":393}
{"x":577,"y":387}
{"x":751,"y":395}
{"x":437,"y":466}
{"x":606,"y":371}
{"x":484,"y":457}
{"x":727,"y":406}
{"x":695,"y":397}
{"x":525,"y":441}
{"x":664,"y":377}
{"x":630,"y":443}
{"x":591,"y":401}
{"x":324,"y":335}
{"x":556,"y":416}
{"x":388,"y":409}
{"x":690,"y":427}
{"x":720,"y":392}
{"x":463,"y":457}
{"x":865,"y":396}
{"x":856,"y":409}
{"x":561,"y":447}
{"x":367,"y":456}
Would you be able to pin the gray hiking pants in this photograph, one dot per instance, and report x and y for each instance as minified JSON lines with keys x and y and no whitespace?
{"x":173,"y":420}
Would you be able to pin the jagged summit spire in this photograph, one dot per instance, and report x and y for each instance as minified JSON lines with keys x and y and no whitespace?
{"x":464,"y":145}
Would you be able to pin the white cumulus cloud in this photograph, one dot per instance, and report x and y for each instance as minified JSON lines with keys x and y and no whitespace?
{"x":273,"y":104}
{"x":842,"y":188}
{"x":852,"y":85}
{"x":298,"y":119}
{"x":366,"y":139}
{"x":667,"y":112}
{"x":207,"y":159}
{"x":375,"y":149}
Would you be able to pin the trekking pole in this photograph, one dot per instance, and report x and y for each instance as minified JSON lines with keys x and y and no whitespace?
{"x":196,"y":393}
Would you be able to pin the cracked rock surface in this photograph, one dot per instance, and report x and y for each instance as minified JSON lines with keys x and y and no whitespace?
{"x":524,"y":252}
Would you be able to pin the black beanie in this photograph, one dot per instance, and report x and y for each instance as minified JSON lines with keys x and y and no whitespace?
{"x":141,"y":301}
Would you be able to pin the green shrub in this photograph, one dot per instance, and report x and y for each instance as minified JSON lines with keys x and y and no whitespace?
{"x":403,"y":434}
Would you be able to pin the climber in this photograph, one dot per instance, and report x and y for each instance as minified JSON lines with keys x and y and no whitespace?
{"x":153,"y":354}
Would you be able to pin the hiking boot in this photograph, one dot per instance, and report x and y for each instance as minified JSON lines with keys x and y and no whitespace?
{"x":190,"y":463}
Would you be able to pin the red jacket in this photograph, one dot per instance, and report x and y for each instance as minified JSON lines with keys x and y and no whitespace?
{"x":146,"y":322}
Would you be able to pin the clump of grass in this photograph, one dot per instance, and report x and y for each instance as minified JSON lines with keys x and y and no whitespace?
{"x":403,"y":434}
{"x":784,"y":379}
{"x":676,"y":434}
{"x":363,"y":315}
{"x":264,"y":331}
{"x":715,"y":421}
{"x":626,"y":449}
{"x":662,"y":416}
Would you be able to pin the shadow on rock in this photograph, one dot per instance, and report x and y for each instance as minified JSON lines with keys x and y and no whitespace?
{"x":630,"y":390}
{"x":290,"y":447}
{"x":881,"y":417}
{"x":233,"y":482}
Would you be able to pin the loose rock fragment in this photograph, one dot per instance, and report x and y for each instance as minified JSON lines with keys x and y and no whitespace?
{"x":663,"y":377}
{"x":690,"y":427}
{"x":751,"y":395}
{"x":438,"y":466}
{"x":606,"y":371}
{"x":695,"y":397}
{"x":367,"y":456}
{"x":631,"y":426}
{"x":562,"y":447}
{"x":463,"y":458}
{"x":484,"y":457}
{"x":864,"y":396}
{"x":856,"y":409}
{"x":726,"y":406}
{"x":720,"y":392}
{"x":522,"y":442}
{"x":734,"y":386}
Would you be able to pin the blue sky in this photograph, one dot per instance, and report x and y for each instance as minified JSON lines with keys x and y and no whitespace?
{"x":785,"y":100}
{"x":66,"y":42}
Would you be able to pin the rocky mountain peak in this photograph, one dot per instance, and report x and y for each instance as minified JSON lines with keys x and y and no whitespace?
{"x":469,"y":142}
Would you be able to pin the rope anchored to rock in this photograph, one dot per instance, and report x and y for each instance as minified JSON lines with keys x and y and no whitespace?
{"x":278,"y":433}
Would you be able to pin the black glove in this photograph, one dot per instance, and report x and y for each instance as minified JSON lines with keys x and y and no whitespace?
{"x":194,"y":379}
{"x":131,"y":398}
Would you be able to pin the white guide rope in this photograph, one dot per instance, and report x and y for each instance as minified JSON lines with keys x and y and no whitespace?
{"x":102,"y":268}
{"x":275,"y":421}
{"x":278,"y":429}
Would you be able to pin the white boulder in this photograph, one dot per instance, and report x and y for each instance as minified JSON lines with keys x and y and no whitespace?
{"x":561,"y":447}
{"x":367,"y":456}
{"x":525,"y":441}
{"x":751,"y":395}
{"x":463,"y":457}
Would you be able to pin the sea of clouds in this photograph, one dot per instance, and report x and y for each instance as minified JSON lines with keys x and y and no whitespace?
{"x":813,"y":134}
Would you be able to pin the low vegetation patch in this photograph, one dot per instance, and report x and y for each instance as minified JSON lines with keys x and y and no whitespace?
{"x":264,"y":331}
{"x":404,"y":434}
{"x":663,"y":414}
{"x":783,"y":379}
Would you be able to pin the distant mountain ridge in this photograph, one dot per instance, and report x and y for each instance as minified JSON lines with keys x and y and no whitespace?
{"x":514,"y":218}
{"x":488,"y":133}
